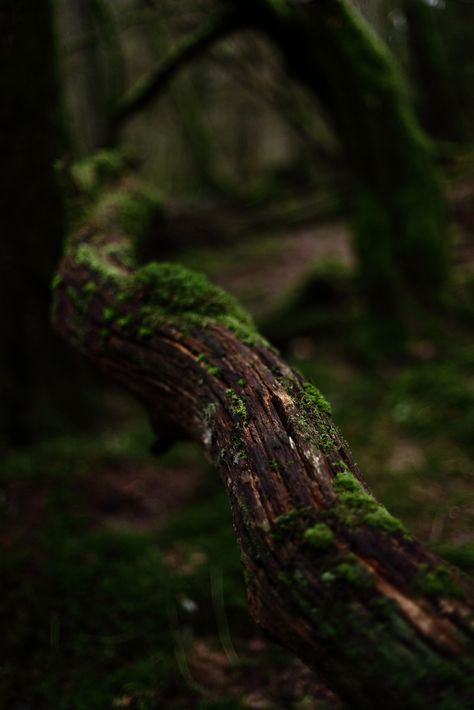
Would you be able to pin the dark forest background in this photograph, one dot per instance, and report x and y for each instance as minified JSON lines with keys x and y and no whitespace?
{"x":329,"y":185}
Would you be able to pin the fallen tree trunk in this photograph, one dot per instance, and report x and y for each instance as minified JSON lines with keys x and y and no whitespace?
{"x":330,"y":573}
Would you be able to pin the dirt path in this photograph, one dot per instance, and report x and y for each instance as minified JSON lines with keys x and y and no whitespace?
{"x":261,"y":273}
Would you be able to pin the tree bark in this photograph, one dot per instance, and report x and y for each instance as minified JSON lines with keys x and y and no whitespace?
{"x":330,"y":573}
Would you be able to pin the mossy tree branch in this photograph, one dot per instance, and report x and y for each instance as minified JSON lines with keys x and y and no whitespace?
{"x":330,"y":573}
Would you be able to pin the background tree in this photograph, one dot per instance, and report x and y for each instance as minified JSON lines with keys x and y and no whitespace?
{"x":399,"y":222}
{"x":437,"y":78}
{"x":33,"y":364}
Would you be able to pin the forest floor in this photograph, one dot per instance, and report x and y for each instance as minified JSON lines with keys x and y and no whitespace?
{"x":121,"y":578}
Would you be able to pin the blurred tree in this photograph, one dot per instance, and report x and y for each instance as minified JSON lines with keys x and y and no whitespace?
{"x":33,"y":395}
{"x":399,"y":209}
{"x":438,"y":79}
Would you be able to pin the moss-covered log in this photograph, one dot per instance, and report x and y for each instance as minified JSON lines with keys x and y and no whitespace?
{"x":330,"y":573}
{"x":399,"y":208}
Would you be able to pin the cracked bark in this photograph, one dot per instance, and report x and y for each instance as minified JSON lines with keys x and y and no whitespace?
{"x":329,"y":573}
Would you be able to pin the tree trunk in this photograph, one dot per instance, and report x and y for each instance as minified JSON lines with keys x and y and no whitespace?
{"x":33,"y":398}
{"x":399,"y":208}
{"x":330,"y":573}
{"x":435,"y":76}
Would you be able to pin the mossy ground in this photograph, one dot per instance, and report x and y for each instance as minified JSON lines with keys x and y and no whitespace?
{"x":110,"y":601}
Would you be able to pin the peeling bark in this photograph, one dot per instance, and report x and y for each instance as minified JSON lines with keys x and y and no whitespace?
{"x":330,"y":573}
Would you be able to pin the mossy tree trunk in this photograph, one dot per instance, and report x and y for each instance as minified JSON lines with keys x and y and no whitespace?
{"x":400,"y":221}
{"x":435,"y":75}
{"x":399,"y":208}
{"x":330,"y":573}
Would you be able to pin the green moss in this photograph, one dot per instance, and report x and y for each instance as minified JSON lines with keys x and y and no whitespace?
{"x":124,"y":321}
{"x":92,"y":173}
{"x":56,"y":281}
{"x":348,"y":571}
{"x":238,"y":406}
{"x":352,"y":573}
{"x":320,"y":536}
{"x":284,"y":579}
{"x":145,"y":332}
{"x":281,"y":7}
{"x":326,"y":442}
{"x":210,"y":413}
{"x":130,"y":211}
{"x":328,"y":577}
{"x":242,"y":382}
{"x":88,"y":256}
{"x":79,"y":302}
{"x":286,"y":523}
{"x":358,"y":507}
{"x":191,"y":300}
{"x":437,"y":582}
{"x":346,"y":482}
{"x":212,"y":369}
{"x":313,"y":420}
{"x":89,"y":288}
{"x":108,"y":314}
{"x":314,"y":399}
{"x":181,"y":291}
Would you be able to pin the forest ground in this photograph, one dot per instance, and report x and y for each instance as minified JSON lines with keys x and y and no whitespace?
{"x":121,"y":577}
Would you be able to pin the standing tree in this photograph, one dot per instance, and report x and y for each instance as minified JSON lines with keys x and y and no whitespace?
{"x":436,"y":77}
{"x":38,"y":395}
{"x":399,"y":209}
{"x":32,"y":215}
{"x":399,"y":212}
